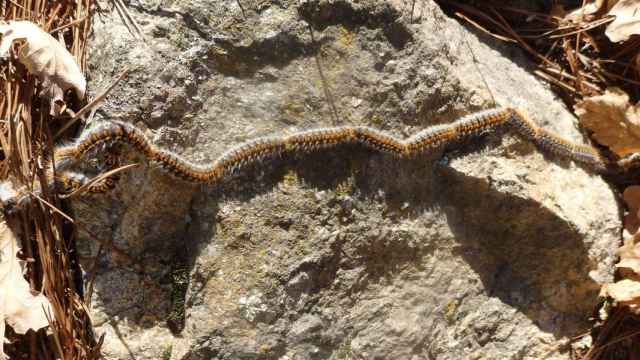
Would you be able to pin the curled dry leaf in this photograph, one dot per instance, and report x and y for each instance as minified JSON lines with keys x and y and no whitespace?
{"x":19,"y":307}
{"x":627,"y":21}
{"x":614,"y":122}
{"x":45,"y":57}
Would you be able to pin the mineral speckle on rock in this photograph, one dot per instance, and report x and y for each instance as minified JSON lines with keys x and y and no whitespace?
{"x":488,"y":250}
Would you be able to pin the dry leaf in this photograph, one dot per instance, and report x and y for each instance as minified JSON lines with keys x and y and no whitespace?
{"x":629,"y":252}
{"x":45,"y":57}
{"x":614,"y":121}
{"x":631,"y":264}
{"x":631,"y":196}
{"x":627,"y":22}
{"x":557,"y":10}
{"x":630,"y":248}
{"x":19,"y":307}
{"x":590,"y":10}
{"x":626,"y":292}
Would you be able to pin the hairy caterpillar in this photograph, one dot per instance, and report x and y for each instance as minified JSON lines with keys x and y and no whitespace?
{"x":65,"y":182}
{"x":116,"y":132}
{"x":94,"y":142}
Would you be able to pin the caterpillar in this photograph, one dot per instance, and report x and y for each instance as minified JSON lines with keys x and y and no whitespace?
{"x":116,"y":132}
{"x":64,"y":183}
{"x":92,"y":143}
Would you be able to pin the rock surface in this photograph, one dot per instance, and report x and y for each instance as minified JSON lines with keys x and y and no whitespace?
{"x":489,"y":251}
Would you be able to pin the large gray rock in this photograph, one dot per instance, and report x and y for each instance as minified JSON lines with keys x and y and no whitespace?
{"x":493,"y":251}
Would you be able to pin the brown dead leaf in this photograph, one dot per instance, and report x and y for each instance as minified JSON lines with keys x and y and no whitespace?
{"x":19,"y":307}
{"x":627,"y":22}
{"x":631,"y":196}
{"x":45,"y":57}
{"x":557,"y":10}
{"x":590,"y":10}
{"x":614,"y":122}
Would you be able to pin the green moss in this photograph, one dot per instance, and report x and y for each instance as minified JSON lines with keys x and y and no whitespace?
{"x":166,"y":353}
{"x":346,"y":187}
{"x":345,"y":38}
{"x":450,"y":310}
{"x":180,"y":40}
{"x":294,"y":111}
{"x":376,"y":120}
{"x":179,"y":285}
{"x":290,"y":178}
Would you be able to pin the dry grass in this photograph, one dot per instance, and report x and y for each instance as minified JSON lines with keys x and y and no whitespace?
{"x":576,"y":57}
{"x":47,"y":233}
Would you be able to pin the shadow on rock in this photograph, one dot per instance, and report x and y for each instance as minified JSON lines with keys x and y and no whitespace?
{"x":526,"y":255}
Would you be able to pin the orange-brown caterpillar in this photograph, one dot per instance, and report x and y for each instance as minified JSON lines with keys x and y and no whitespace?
{"x":94,"y":142}
{"x":65,"y":182}
{"x":256,"y":150}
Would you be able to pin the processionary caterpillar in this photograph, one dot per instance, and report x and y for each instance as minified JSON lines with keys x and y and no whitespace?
{"x":116,"y":133}
{"x":65,"y":182}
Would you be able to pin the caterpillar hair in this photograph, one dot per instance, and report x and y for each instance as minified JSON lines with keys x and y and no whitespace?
{"x":115,"y":132}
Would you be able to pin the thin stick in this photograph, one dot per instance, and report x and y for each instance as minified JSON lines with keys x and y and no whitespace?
{"x":127,"y":18}
{"x":562,"y":73}
{"x":91,"y":104}
{"x":590,"y":26}
{"x":555,"y":81}
{"x":483,"y":29}
{"x":53,"y":207}
{"x":75,"y":22}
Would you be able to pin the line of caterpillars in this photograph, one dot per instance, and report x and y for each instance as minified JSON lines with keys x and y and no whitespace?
{"x":119,"y":133}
